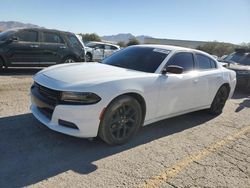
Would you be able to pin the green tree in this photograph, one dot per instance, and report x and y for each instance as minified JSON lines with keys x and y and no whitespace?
{"x":217,"y":48}
{"x":133,"y":41}
{"x":121,"y":44}
{"x":90,"y":37}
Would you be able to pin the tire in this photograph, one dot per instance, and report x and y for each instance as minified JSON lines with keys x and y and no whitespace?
{"x":69,"y":60}
{"x":1,"y":64}
{"x":219,"y":101}
{"x":121,"y":121}
{"x":88,"y":57}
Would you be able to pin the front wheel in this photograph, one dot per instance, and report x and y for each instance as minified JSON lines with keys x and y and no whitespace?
{"x":219,"y":101}
{"x":121,"y":121}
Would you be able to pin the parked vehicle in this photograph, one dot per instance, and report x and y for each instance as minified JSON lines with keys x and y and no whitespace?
{"x":96,"y":51}
{"x":136,"y":86}
{"x":239,"y":61}
{"x":39,"y":47}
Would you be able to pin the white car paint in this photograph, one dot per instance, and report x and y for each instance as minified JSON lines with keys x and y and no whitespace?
{"x":165,"y":95}
{"x":100,"y":50}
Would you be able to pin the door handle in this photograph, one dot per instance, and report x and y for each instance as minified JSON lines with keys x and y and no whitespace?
{"x":34,"y":46}
{"x":62,"y":47}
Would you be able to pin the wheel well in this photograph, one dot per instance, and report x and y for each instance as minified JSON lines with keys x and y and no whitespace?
{"x":227,"y":86}
{"x":2,"y":61}
{"x":89,"y":54}
{"x":141,"y":101}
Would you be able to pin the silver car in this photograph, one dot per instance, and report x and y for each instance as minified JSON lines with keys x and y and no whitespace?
{"x":96,"y":51}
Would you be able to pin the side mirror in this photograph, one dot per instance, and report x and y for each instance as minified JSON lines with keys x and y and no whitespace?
{"x":173,"y":69}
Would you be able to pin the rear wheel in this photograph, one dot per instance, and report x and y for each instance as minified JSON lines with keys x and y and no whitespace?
{"x":121,"y":121}
{"x":219,"y":101}
{"x":1,"y":64}
{"x":69,"y":60}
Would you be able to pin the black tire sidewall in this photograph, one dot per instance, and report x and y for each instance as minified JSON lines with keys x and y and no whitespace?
{"x":214,"y":108}
{"x":104,"y":130}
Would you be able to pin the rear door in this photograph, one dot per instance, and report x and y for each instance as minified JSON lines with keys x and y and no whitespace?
{"x":99,"y":52}
{"x":53,"y":46}
{"x":210,"y":78}
{"x":26,"y":50}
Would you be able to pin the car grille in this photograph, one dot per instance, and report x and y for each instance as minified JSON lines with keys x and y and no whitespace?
{"x":51,"y":96}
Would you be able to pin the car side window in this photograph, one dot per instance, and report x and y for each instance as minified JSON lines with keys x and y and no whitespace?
{"x":114,"y":48}
{"x":205,"y":62}
{"x":107,"y":47}
{"x":74,"y":41}
{"x":27,"y":36}
{"x":52,"y":38}
{"x":184,"y":60}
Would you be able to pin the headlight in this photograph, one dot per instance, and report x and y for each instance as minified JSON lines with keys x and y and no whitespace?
{"x":80,"y":98}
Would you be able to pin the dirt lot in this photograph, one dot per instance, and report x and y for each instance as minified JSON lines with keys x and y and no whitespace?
{"x":193,"y":150}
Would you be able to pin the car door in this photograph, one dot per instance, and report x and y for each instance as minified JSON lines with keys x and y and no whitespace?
{"x":52,"y":44}
{"x":178,"y":92}
{"x":210,"y":78}
{"x":98,"y":52}
{"x":25,"y":50}
{"x":108,"y":50}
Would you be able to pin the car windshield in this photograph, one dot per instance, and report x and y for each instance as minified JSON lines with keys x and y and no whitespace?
{"x":240,"y":58}
{"x":145,"y":59}
{"x":4,"y":35}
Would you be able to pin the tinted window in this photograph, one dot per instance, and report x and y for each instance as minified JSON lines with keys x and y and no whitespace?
{"x":184,"y":60}
{"x":51,"y":38}
{"x":138,"y":58}
{"x":204,"y":62}
{"x":245,"y":60}
{"x":107,"y":47}
{"x":114,"y":48}
{"x":213,"y":63}
{"x":74,"y":41}
{"x":5,"y":34}
{"x":27,"y":36}
{"x":236,"y":57}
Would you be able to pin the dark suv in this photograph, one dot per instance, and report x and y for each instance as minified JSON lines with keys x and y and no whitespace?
{"x":239,"y":61}
{"x":39,"y":47}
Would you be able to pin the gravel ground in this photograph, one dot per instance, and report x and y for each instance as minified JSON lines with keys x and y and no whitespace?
{"x":193,"y":150}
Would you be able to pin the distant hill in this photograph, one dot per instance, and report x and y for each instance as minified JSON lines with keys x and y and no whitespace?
{"x":123,"y":37}
{"x":13,"y":24}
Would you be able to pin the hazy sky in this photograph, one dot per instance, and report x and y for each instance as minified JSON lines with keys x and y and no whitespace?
{"x":208,"y":20}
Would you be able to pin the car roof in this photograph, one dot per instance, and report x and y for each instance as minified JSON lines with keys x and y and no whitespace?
{"x":41,"y":29}
{"x":175,"y":48}
{"x":95,"y":42}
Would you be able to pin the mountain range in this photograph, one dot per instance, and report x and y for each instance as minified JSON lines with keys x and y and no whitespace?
{"x":4,"y":25}
{"x":13,"y":24}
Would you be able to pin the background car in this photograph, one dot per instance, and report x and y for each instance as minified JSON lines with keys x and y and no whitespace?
{"x":96,"y":51}
{"x":133,"y":87}
{"x":39,"y":47}
{"x":239,"y":61}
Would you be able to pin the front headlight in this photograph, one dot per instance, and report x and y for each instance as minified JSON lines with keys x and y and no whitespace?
{"x":80,"y":98}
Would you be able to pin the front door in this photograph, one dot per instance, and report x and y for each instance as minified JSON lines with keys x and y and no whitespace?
{"x":26,"y":50}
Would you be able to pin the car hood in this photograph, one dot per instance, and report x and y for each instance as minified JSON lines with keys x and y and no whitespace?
{"x":239,"y":67}
{"x":88,"y":73}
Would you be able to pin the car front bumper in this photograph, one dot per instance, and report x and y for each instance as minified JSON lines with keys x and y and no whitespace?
{"x":84,"y":117}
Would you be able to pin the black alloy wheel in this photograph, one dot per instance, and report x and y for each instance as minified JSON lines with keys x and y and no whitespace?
{"x":121,"y":121}
{"x":219,"y":101}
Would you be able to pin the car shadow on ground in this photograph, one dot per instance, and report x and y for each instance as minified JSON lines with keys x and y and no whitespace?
{"x":20,"y":71}
{"x":30,"y":152}
{"x":245,"y":103}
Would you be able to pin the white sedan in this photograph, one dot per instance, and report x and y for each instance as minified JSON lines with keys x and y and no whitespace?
{"x":136,"y":86}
